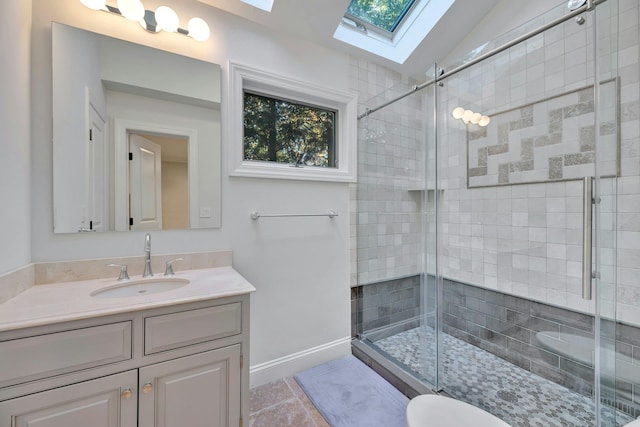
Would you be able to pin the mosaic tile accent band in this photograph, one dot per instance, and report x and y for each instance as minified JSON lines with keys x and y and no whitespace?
{"x":549,"y":140}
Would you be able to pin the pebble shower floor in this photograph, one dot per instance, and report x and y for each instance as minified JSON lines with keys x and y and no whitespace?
{"x":519,"y":397}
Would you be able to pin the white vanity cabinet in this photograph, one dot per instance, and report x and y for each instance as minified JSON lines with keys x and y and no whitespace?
{"x":175,"y":366}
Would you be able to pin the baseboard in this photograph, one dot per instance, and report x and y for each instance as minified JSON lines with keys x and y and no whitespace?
{"x":291,"y":364}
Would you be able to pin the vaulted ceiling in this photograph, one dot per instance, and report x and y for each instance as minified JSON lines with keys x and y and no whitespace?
{"x":317,"y":20}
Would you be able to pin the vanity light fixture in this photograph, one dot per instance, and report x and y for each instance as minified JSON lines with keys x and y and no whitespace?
{"x":457,"y":112}
{"x":484,"y":121}
{"x":468,"y":116}
{"x":162,"y":19}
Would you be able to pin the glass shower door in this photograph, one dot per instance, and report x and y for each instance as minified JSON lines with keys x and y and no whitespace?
{"x":528,"y":162}
{"x":617,"y":206}
{"x":396,"y":297}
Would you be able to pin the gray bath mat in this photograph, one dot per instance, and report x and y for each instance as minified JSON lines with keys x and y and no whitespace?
{"x":350,"y":394}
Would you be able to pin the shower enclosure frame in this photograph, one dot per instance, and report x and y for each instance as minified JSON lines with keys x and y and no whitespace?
{"x":439,"y":78}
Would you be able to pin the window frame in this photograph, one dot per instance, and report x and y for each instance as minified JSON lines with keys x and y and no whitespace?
{"x":242,"y":77}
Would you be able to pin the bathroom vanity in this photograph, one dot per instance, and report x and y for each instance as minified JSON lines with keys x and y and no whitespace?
{"x":72,"y":355}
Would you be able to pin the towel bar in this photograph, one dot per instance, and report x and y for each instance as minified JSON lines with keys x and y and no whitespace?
{"x":255,"y":215}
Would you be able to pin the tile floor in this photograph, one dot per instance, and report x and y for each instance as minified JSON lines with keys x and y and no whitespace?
{"x":282,"y":403}
{"x":519,"y":397}
{"x":493,"y":384}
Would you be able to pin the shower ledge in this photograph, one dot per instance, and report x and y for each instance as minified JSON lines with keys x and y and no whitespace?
{"x":419,"y":185}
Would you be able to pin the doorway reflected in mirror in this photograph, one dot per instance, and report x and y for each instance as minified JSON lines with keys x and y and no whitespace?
{"x":104,"y":90}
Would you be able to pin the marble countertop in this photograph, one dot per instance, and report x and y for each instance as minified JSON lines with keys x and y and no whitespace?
{"x":68,"y":301}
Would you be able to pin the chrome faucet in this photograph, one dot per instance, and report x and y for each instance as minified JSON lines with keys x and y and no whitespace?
{"x":147,"y":256}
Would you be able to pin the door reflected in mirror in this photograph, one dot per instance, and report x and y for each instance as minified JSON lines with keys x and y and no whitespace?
{"x":159,"y":182}
{"x":136,"y":136}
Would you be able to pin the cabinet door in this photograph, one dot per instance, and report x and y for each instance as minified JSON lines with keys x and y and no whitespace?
{"x":98,"y":403}
{"x":202,"y":390}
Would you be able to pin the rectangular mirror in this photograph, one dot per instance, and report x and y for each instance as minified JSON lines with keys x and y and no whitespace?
{"x":136,"y":136}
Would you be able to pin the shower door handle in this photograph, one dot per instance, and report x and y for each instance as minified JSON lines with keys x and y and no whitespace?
{"x":587,"y":221}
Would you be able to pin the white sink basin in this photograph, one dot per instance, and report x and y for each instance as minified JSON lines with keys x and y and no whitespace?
{"x":140,"y":287}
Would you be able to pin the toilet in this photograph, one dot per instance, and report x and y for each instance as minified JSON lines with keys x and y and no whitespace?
{"x":431,"y":410}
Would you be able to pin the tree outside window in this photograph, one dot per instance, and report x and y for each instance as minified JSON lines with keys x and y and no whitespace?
{"x":277,"y":130}
{"x":385,"y":14}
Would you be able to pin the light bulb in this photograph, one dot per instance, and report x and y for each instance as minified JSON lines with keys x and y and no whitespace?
{"x":198,"y":29}
{"x":133,"y":10}
{"x":484,"y":121}
{"x":94,"y":4}
{"x":167,"y":19}
{"x":475,"y":118}
{"x":457,"y":112}
{"x":467,"y":115}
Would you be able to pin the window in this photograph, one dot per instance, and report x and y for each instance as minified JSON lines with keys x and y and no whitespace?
{"x":279,"y":127}
{"x":383,"y":14}
{"x":265,"y":5}
{"x":277,"y":130}
{"x":392,"y":29}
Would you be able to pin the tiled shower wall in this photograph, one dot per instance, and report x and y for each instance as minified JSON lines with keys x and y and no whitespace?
{"x":385,"y":209}
{"x":628,"y":200}
{"x":525,"y":240}
{"x":388,"y":307}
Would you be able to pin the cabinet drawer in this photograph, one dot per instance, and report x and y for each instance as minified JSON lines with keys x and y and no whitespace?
{"x":43,"y":356}
{"x":170,"y":331}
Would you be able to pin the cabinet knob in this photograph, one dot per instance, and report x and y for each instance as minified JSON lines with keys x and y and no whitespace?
{"x":147,"y":388}
{"x":126,"y":393}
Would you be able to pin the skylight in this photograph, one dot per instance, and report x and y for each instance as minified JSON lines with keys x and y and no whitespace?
{"x":392,"y":29}
{"x":265,"y":5}
{"x":383,"y":14}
